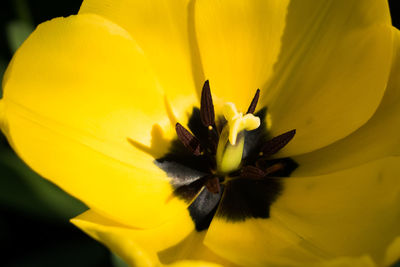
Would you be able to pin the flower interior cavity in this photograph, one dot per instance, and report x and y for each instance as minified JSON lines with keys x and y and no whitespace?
{"x":223,"y":166}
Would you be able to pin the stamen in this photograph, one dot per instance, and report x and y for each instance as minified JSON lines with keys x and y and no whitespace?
{"x":277,"y":143}
{"x":274,"y":168}
{"x":254,"y":102}
{"x":206,"y":106}
{"x":252,"y":172}
{"x":188,"y":140}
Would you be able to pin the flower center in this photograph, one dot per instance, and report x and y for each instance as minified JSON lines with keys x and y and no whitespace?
{"x":226,"y":163}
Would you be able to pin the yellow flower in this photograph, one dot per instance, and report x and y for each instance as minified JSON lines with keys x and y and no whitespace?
{"x":91,"y":102}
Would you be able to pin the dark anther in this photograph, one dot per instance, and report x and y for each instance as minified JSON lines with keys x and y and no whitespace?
{"x":254,"y":102}
{"x":188,"y":140}
{"x":277,"y":143}
{"x":274,"y":168}
{"x":252,"y":172}
{"x":212,"y":185}
{"x":206,"y":106}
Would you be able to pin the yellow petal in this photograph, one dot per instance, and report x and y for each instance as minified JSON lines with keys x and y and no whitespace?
{"x":392,"y":254}
{"x":378,"y":138}
{"x":258,"y":242}
{"x":192,"y":248}
{"x":172,"y":243}
{"x":165,"y":32}
{"x":332,"y":70}
{"x":347,"y":213}
{"x":344,"y":214}
{"x":2,"y":115}
{"x":188,"y":263}
{"x":363,"y":261}
{"x":135,"y":246}
{"x":74,"y":93}
{"x":239,"y":42}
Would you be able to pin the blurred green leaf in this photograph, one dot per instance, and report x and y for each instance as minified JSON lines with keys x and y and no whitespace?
{"x":24,"y":190}
{"x":63,"y":255}
{"x":117,"y":261}
{"x":17,"y":31}
{"x":22,"y":10}
{"x":3,"y":66}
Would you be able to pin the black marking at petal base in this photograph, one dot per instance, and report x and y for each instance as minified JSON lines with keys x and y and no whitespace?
{"x":251,"y":196}
{"x":196,"y":126}
{"x":254,"y":102}
{"x":208,"y":139}
{"x":182,"y":165}
{"x":289,"y":166}
{"x":255,"y":139}
{"x":248,"y":198}
{"x":203,"y":208}
{"x":207,"y":106}
{"x":189,"y":191}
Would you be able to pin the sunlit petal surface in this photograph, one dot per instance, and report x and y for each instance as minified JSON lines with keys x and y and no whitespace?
{"x":80,"y":115}
{"x":239,"y":42}
{"x":378,"y":138}
{"x":165,"y":31}
{"x":332,"y":70}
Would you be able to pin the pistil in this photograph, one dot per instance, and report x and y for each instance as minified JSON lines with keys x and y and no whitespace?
{"x":231,"y":142}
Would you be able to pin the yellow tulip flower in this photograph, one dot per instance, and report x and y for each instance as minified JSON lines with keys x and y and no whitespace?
{"x":138,"y":108}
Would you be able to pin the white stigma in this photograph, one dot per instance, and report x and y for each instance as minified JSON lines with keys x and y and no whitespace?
{"x":237,"y":122}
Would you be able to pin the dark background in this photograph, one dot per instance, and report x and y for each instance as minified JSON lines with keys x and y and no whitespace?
{"x":34,"y":227}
